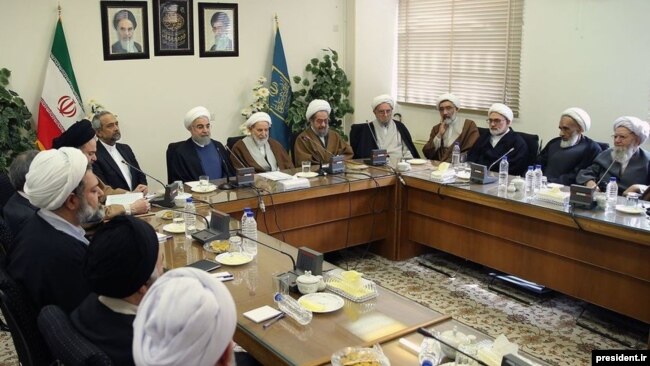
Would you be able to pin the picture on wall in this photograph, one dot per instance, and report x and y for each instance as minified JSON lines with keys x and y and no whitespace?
{"x":124,"y":30}
{"x":173,"y":27}
{"x":218,"y":30}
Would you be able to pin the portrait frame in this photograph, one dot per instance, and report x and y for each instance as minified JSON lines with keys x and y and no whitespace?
{"x":173,"y":27}
{"x":133,"y":11}
{"x":221,"y":12}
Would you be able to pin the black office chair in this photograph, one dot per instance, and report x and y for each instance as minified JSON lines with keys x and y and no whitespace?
{"x":169,"y":156}
{"x":533,"y":142}
{"x":603,"y":145}
{"x":20,"y":315}
{"x":65,"y":342}
{"x":233,"y":140}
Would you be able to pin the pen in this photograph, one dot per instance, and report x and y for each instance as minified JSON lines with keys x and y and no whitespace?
{"x":270,"y":322}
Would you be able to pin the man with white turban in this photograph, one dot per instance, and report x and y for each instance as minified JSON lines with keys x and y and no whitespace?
{"x":48,"y":253}
{"x":450,"y":131}
{"x":186,"y":318}
{"x":199,"y":155}
{"x":564,"y":156}
{"x":626,"y":160}
{"x":317,"y":143}
{"x":382,"y":133}
{"x":501,"y":138}
{"x":258,"y":150}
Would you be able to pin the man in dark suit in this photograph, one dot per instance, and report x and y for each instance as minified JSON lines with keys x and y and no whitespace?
{"x":18,"y":210}
{"x":198,"y":155}
{"x":109,"y":166}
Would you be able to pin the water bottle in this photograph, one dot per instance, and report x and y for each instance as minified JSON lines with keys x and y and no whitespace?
{"x":503,"y":173}
{"x":612,"y":193}
{"x":292,"y":308}
{"x":243,"y":217}
{"x":537,"y":182}
{"x":430,"y":352}
{"x":249,"y":229}
{"x":455,"y":156}
{"x":530,"y":177}
{"x":190,"y":217}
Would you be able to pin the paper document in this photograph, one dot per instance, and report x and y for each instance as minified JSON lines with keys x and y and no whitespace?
{"x":276,"y":175}
{"x":123,"y":199}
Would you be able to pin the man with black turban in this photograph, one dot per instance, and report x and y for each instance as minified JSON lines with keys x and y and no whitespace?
{"x":124,"y":23}
{"x":122,"y":262}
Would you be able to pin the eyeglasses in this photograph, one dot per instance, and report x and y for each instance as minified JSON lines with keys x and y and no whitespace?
{"x":386,"y":111}
{"x":496,"y":121}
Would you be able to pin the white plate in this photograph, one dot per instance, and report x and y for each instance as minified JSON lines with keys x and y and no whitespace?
{"x":463,"y":175}
{"x":204,"y":189}
{"x":174,"y":228}
{"x":306,"y":174}
{"x":163,"y":214}
{"x":233,"y":259}
{"x":554,"y":185}
{"x":630,"y":210}
{"x":353,"y":166}
{"x":321,"y":302}
{"x":417,"y":161}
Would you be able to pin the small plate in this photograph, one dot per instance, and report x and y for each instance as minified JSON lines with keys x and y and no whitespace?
{"x":204,"y":189}
{"x":165,"y":214}
{"x":352,"y":166}
{"x":217,"y":246}
{"x":630,"y":210}
{"x":306,"y":174}
{"x":463,"y":175}
{"x":174,"y":228}
{"x":321,"y":302}
{"x":554,"y":185}
{"x":233,"y":259}
{"x":417,"y":161}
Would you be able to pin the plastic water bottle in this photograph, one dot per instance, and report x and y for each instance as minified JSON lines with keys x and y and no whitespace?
{"x":430,"y":352}
{"x":243,"y":217}
{"x":612,"y":193}
{"x":190,"y":217}
{"x":292,"y":308}
{"x":530,"y":177}
{"x":503,"y":173}
{"x":537,"y":182}
{"x":249,"y":229}
{"x":455,"y":156}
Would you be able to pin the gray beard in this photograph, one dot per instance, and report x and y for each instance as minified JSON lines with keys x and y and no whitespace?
{"x":622,"y":154}
{"x":323,"y":134}
{"x":203,"y":141}
{"x":87,"y":214}
{"x":260,"y":142}
{"x":129,"y":46}
{"x":450,"y":120}
{"x":570,"y":142}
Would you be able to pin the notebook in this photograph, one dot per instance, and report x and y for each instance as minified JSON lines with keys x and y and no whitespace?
{"x":262,"y":313}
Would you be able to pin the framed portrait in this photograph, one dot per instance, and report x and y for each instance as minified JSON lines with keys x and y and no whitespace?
{"x":173,"y":29}
{"x":125,"y":30}
{"x":218,"y":30}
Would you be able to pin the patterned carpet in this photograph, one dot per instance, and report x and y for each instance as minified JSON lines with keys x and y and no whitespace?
{"x":546,"y":329}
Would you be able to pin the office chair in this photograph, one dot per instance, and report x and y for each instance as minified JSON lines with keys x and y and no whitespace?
{"x":65,"y":342}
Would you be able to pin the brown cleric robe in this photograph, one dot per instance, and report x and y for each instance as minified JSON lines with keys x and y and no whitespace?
{"x":466,"y":139}
{"x":112,"y":210}
{"x":240,"y":151}
{"x":305,"y":150}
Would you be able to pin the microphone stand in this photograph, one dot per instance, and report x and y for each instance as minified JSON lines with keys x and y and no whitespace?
{"x":293,"y":261}
{"x":141,"y":171}
{"x":321,"y":172}
{"x":226,"y":185}
{"x":499,"y":159}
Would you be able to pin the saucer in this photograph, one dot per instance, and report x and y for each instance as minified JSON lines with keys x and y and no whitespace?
{"x":353,"y":166}
{"x":204,"y":189}
{"x":463,"y":175}
{"x":417,"y":161}
{"x":174,"y":228}
{"x":630,"y":210}
{"x":165,"y":214}
{"x":306,"y":174}
{"x":321,"y":302}
{"x":233,"y":259}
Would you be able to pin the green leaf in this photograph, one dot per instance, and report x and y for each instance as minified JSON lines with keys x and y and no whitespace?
{"x":296,"y":79}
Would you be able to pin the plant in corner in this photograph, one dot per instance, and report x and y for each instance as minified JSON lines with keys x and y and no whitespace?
{"x":328,"y":82}
{"x":16,"y":133}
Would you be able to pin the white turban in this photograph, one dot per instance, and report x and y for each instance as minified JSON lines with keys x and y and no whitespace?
{"x":257,"y":117}
{"x":317,"y":105}
{"x":53,"y":175}
{"x":503,"y":110}
{"x":384,"y":98}
{"x":186,"y":318}
{"x":450,"y":97}
{"x":195,"y":113}
{"x":636,"y":126}
{"x":580,"y":116}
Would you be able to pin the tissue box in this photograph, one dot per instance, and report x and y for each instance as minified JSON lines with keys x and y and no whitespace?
{"x":445,"y":176}
{"x":291,"y":184}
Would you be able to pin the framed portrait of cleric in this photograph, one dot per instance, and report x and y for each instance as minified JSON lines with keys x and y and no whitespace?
{"x":173,"y":28}
{"x":218,"y":30}
{"x":124,"y":30}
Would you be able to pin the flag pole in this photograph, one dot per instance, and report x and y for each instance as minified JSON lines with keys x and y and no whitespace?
{"x":59,"y":9}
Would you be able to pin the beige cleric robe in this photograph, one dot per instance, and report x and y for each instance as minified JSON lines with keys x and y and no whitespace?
{"x":241,"y":151}
{"x":467,"y":138}
{"x":307,"y":150}
{"x":112,"y":210}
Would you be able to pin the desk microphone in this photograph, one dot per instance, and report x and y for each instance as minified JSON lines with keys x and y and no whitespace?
{"x":317,"y":146}
{"x":236,"y":157}
{"x":226,"y":185}
{"x":170,"y":189}
{"x":336,"y":164}
{"x":140,"y":170}
{"x":499,"y":159}
{"x":293,"y":261}
{"x":245,"y":176}
{"x":605,"y":173}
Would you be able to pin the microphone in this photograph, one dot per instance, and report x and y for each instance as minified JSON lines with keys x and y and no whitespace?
{"x":374,"y":138}
{"x":236,"y":157}
{"x":293,"y":261}
{"x":140,"y":170}
{"x":335,"y":165}
{"x":320,"y":161}
{"x":167,"y":200}
{"x":226,"y":185}
{"x":499,"y":159}
{"x":605,"y":173}
{"x":245,"y":175}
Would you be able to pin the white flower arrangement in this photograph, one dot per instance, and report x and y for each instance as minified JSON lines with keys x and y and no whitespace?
{"x":260,"y":104}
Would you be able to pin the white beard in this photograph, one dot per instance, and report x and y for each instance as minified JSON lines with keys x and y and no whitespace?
{"x":129,"y":46}
{"x":450,"y":120}
{"x":570,"y":142}
{"x":622,"y":154}
{"x":261,"y":142}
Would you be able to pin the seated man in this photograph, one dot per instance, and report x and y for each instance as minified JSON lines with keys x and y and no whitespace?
{"x":382,"y":133}
{"x":564,"y":156}
{"x":450,"y":131}
{"x":199,"y":155}
{"x":81,"y":135}
{"x":317,"y":143}
{"x":18,"y":210}
{"x":111,"y":155}
{"x":491,"y":146}
{"x":258,"y":150}
{"x":122,"y":262}
{"x":195,"y":330}
{"x":48,"y":253}
{"x":626,"y":160}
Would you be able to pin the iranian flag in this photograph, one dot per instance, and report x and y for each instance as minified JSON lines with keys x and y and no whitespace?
{"x":61,"y":104}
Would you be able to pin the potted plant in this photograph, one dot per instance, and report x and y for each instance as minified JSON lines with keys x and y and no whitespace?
{"x":328,"y":82}
{"x":16,"y":133}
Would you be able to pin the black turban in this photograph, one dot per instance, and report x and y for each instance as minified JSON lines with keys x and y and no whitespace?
{"x":122,"y":14}
{"x":75,"y":136}
{"x":121,"y":257}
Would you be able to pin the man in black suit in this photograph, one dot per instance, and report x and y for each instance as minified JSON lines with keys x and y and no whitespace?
{"x":110,"y":154}
{"x":18,"y":210}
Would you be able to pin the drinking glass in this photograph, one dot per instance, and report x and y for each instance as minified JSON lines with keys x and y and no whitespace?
{"x":235,"y":244}
{"x":306,"y":166}
{"x":632,"y":200}
{"x":204,"y":180}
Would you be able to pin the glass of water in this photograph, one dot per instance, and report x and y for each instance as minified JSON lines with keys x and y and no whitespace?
{"x":306,"y":166}
{"x":204,"y":180}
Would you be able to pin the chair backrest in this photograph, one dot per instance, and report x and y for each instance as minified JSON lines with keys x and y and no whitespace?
{"x":169,"y":155}
{"x":603,"y":145}
{"x":65,"y":342}
{"x":233,"y":140}
{"x":20,"y":315}
{"x":533,"y":143}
